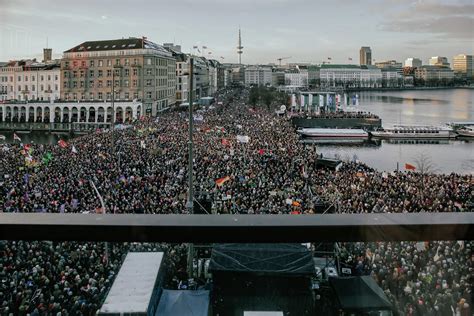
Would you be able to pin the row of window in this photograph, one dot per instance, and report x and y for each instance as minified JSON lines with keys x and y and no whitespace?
{"x":118,"y":62}
{"x":33,"y":78}
{"x":33,"y":88}
{"x":118,"y":96}
{"x":100,"y":83}
{"x":108,"y":73}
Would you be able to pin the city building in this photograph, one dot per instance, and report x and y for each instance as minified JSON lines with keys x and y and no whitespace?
{"x":351,"y":76}
{"x":278,"y":77}
{"x":201,"y":73}
{"x":29,"y":80}
{"x":433,"y":75}
{"x":390,"y":64}
{"x":391,"y":77}
{"x":297,"y":77}
{"x":258,"y":75}
{"x":463,"y":66}
{"x":365,"y":55}
{"x":313,"y":76}
{"x":140,"y":69}
{"x":439,"y":61}
{"x":413,"y":62}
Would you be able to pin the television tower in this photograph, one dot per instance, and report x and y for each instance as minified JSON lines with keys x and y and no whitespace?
{"x":239,"y":48}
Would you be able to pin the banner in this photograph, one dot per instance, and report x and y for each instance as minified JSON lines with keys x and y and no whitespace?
{"x":243,"y":139}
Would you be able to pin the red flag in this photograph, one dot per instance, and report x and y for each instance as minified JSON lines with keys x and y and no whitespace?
{"x":62,"y":143}
{"x":261,"y":151}
{"x":225,"y":142}
{"x":409,"y":166}
{"x":26,"y":147}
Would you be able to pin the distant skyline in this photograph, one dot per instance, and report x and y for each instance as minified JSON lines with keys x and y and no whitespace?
{"x":306,"y":30}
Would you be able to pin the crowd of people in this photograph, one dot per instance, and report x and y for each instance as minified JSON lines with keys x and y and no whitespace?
{"x":246,"y":160}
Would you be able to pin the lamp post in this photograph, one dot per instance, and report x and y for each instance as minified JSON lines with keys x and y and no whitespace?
{"x":190,"y":202}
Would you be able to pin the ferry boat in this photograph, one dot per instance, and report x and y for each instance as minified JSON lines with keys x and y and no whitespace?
{"x":466,"y":131}
{"x":418,"y":132}
{"x":333,"y":133}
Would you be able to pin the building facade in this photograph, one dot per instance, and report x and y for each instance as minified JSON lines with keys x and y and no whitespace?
{"x":29,"y":80}
{"x":433,"y":75}
{"x":413,"y":62}
{"x":439,"y":61}
{"x":390,"y":64}
{"x":257,"y":75}
{"x":463,"y":66}
{"x":135,"y":68}
{"x":350,"y":76}
{"x":297,"y":78}
{"x":391,"y":78}
{"x":365,"y":55}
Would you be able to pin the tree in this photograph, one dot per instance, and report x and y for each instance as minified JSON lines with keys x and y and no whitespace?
{"x":425,"y":165}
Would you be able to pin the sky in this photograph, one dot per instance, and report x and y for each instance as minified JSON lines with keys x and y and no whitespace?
{"x":305,"y":30}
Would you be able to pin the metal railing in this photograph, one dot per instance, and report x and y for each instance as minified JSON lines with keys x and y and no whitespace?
{"x":237,"y":228}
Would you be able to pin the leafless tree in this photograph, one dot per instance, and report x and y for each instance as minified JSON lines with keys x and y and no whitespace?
{"x":425,"y":165}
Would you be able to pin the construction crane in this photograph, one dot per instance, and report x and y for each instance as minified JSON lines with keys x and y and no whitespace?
{"x":282,"y":58}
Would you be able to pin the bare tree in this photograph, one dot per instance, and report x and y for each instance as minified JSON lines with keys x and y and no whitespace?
{"x":425,"y":165}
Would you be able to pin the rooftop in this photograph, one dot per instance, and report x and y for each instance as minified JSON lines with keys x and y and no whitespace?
{"x":118,"y":44}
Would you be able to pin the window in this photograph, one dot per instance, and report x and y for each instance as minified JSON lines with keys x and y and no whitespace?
{"x":117,"y":62}
{"x":56,"y":87}
{"x":135,"y":61}
{"x":109,"y":73}
{"x":32,"y":78}
{"x":74,"y":84}
{"x":66,"y":64}
{"x":109,"y":62}
{"x":109,"y":83}
{"x":117,"y":72}
{"x":117,"y":83}
{"x":74,"y":96}
{"x":101,"y":63}
{"x":135,"y":95}
{"x":127,"y":97}
{"x":135,"y":72}
{"x":65,"y":84}
{"x":19,"y":78}
{"x":91,"y":73}
{"x":91,"y":63}
{"x":91,"y":95}
{"x":33,"y":88}
{"x":99,"y":84}
{"x":82,"y":84}
{"x":127,"y":72}
{"x":100,"y":73}
{"x":126,"y":83}
{"x":127,"y":62}
{"x":109,"y":95}
{"x":83,"y":96}
{"x":100,"y":97}
{"x":148,"y":61}
{"x":81,"y":74}
{"x":91,"y":83}
{"x":149,"y":82}
{"x":41,"y":88}
{"x":26,"y":78}
{"x":56,"y":77}
{"x":148,"y":95}
{"x":19,"y":88}
{"x":74,"y":74}
{"x":42,"y":78}
{"x":149,"y":71}
{"x":135,"y":83}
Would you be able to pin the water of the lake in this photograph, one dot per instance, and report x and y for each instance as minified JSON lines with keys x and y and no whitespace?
{"x":417,"y":107}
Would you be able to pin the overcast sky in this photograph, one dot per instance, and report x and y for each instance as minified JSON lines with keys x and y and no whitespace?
{"x":306,"y":30}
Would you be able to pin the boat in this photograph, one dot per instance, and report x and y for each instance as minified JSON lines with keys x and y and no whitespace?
{"x":415,"y":131}
{"x":2,"y":137}
{"x":333,"y":133}
{"x":466,"y":131}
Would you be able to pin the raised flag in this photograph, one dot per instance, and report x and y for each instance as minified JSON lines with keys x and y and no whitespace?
{"x":15,"y":137}
{"x":261,"y":151}
{"x":409,"y":166}
{"x":225,"y":142}
{"x":74,"y":150}
{"x":243,"y":139}
{"x":221,"y":181}
{"x":62,"y":143}
{"x":47,"y":158}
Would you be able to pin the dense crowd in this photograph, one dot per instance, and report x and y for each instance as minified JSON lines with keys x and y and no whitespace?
{"x":245,"y":161}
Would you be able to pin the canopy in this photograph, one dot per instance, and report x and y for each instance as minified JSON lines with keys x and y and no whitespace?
{"x":191,"y":303}
{"x":275,"y":259}
{"x":359,"y":293}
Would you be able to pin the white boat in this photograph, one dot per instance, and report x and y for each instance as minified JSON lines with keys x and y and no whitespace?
{"x":333,"y":133}
{"x":418,"y":132}
{"x":2,"y":137}
{"x":466,"y":131}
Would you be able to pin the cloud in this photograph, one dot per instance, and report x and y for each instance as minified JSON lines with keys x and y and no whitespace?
{"x":449,"y":27}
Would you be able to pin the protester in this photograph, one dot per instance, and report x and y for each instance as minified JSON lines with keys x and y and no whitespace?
{"x":246,"y":161}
